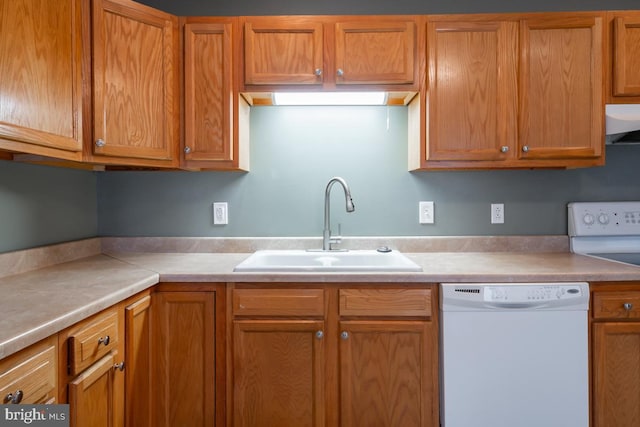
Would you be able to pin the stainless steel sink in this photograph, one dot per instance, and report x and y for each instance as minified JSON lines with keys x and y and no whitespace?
{"x":320,"y":261}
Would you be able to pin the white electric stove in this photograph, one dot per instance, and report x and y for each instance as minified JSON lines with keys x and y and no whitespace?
{"x":608,"y":230}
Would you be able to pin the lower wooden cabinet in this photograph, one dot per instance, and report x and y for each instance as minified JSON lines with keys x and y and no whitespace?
{"x":93,"y":395}
{"x":188,"y":375}
{"x":615,"y":356}
{"x":138,"y":354}
{"x":355,"y":355}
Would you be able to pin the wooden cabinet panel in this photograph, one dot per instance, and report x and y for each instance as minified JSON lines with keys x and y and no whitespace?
{"x":138,"y":356}
{"x":385,"y":302}
{"x":185,"y":356}
{"x":134,"y":84}
{"x":283,"y":51}
{"x":616,"y":374}
{"x":208,"y":92}
{"x":386,"y":374}
{"x":561,"y":87}
{"x":41,"y":68}
{"x":92,"y":341}
{"x":278,"y":373}
{"x":30,"y":376}
{"x":375,"y":52}
{"x":91,"y":396}
{"x":472,"y":86}
{"x":626,"y":61}
{"x":278,"y":302}
{"x":616,"y":305}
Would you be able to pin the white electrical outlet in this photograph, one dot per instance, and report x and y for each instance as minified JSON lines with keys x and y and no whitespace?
{"x":497,"y":213}
{"x":426,"y":214}
{"x":220,"y":213}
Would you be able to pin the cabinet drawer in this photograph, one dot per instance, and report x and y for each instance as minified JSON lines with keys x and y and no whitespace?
{"x":278,"y":302}
{"x":30,"y":376}
{"x":619,"y":305}
{"x":93,"y":341}
{"x":385,"y":302}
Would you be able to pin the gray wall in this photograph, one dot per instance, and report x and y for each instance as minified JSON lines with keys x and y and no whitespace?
{"x":296,"y":150}
{"x":40,"y":205}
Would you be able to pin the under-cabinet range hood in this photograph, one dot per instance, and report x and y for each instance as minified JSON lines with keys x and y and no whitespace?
{"x":623,"y":123}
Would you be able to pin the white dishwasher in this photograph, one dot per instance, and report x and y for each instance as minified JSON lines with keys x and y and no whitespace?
{"x":514,"y":355}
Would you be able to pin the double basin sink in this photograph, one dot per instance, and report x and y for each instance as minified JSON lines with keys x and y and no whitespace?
{"x":274,"y":261}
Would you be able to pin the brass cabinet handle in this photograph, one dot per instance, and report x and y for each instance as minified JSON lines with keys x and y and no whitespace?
{"x":104,"y":340}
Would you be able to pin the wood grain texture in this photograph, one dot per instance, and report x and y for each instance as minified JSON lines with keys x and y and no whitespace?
{"x":561,"y":87}
{"x":375,"y":52}
{"x":40,"y":65}
{"x":85,"y":347}
{"x":208,"y":92}
{"x":134,"y":84}
{"x":385,"y":374}
{"x":91,"y":395}
{"x":385,"y":302}
{"x":283,"y":50}
{"x":138,"y":357}
{"x":626,"y":65}
{"x":611,"y":305}
{"x":34,"y":371}
{"x":278,"y":369}
{"x":185,"y":372}
{"x":278,"y":302}
{"x":472,"y":81}
{"x":616,"y":374}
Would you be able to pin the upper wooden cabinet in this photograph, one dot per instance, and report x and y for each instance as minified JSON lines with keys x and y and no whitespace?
{"x":216,"y":119}
{"x":135,"y":85}
{"x":328,"y":52}
{"x":624,"y":63}
{"x":511,"y":91}
{"x":41,"y":95}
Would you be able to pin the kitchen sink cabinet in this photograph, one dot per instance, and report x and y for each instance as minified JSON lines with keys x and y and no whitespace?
{"x":189,"y":362}
{"x":330,"y":52}
{"x":348,"y":355}
{"x":624,"y":64}
{"x":135,"y":85}
{"x":41,"y":97}
{"x":216,"y":119}
{"x":615,"y":350}
{"x":31,"y":375}
{"x":511,"y":91}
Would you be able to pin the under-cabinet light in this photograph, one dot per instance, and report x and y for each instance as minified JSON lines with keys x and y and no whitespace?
{"x":329,"y":98}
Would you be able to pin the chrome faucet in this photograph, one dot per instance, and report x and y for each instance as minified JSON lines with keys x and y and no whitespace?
{"x":327,"y":240}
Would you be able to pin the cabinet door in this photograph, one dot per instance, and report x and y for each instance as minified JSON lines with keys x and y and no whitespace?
{"x":283,"y":51}
{"x":561,"y":88}
{"x":137,"y":318}
{"x":380,"y":52}
{"x":91,"y":396}
{"x":134,"y":84}
{"x":616,"y":374}
{"x":472,"y":85}
{"x":185,"y":365}
{"x":387,"y":374}
{"x":41,"y":84}
{"x":278,"y":373}
{"x":626,"y":61}
{"x":208,"y":96}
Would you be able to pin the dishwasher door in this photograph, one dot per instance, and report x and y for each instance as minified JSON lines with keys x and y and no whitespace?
{"x":515,"y":357}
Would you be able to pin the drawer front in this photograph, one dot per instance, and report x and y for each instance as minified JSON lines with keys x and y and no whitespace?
{"x":385,"y":302}
{"x":30,"y":380}
{"x":617,"y":305}
{"x":278,"y":302}
{"x":92,"y":342}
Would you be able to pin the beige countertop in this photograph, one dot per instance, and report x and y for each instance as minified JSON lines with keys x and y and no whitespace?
{"x":41,"y":302}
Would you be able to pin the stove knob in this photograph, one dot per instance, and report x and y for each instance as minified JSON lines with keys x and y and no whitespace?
{"x":603,"y":219}
{"x":588,"y":219}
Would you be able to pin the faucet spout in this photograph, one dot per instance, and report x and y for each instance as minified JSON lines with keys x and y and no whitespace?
{"x":327,"y":240}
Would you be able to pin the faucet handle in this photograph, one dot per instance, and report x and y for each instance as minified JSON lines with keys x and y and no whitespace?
{"x":334,"y":240}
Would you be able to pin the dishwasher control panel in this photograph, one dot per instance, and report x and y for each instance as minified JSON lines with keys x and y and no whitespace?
{"x":482,"y":296}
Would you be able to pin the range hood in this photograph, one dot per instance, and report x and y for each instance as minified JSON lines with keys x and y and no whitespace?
{"x":623,"y":123}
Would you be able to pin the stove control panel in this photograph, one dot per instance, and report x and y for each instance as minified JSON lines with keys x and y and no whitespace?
{"x":604,"y":219}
